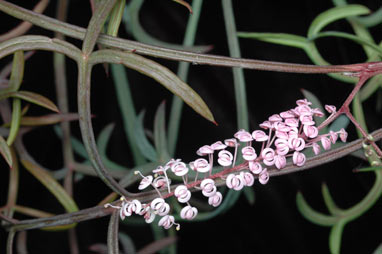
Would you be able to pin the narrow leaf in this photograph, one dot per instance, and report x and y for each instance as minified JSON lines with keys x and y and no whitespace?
{"x":112,"y":234}
{"x":15,"y":122}
{"x":47,"y":119}
{"x":157,"y":72}
{"x":127,"y":243}
{"x":17,"y":71}
{"x":51,"y":184}
{"x":249,"y":193}
{"x":335,"y":236}
{"x":341,"y":122}
{"x":160,"y":140}
{"x":141,"y":140}
{"x":311,"y":215}
{"x":185,"y":4}
{"x":277,"y":38}
{"x":334,"y":14}
{"x":6,"y":152}
{"x":330,"y":204}
{"x":368,"y":169}
{"x":116,"y":18}
{"x":33,"y":98}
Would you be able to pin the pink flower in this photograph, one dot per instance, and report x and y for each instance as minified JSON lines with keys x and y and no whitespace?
{"x":325,"y":143}
{"x":249,"y":153}
{"x":291,"y":122}
{"x":303,"y":102}
{"x":182,"y":193}
{"x":317,"y":112}
{"x":231,"y":142}
{"x":218,"y":145}
{"x":216,"y":199}
{"x":280,"y":161}
{"x":303,"y":110}
{"x":161,"y":182}
{"x":299,"y":158}
{"x":282,"y":147}
{"x":208,"y":187}
{"x":248,"y":178}
{"x":310,"y":131}
{"x":268,"y":155}
{"x":130,"y":207}
{"x":171,"y":162}
{"x":307,"y":120}
{"x":201,"y":165}
{"x":266,"y":125}
{"x":235,"y":182}
{"x":293,"y":133}
{"x":282,"y":135}
{"x":145,"y":182}
{"x":179,"y":168}
{"x":264,"y":176}
{"x":275,"y":118}
{"x":296,"y":144}
{"x":160,"y":207}
{"x":259,"y":136}
{"x":287,"y":114}
{"x":343,"y":135}
{"x":225,"y":158}
{"x":167,"y":221}
{"x":316,"y":148}
{"x":255,"y":167}
{"x":243,"y":136}
{"x":148,"y":214}
{"x":205,"y":150}
{"x":280,"y":126}
{"x":331,"y":109}
{"x":188,"y":212}
{"x":333,"y":136}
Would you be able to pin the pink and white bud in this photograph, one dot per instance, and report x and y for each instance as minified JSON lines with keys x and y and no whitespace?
{"x":266,"y":125}
{"x":280,"y":161}
{"x":325,"y":143}
{"x":225,"y":158}
{"x":216,"y":199}
{"x":343,"y":135}
{"x":333,"y":136}
{"x":182,"y":193}
{"x":307,"y":120}
{"x":282,"y":135}
{"x":264,"y":176}
{"x":171,"y":162}
{"x":287,"y":114}
{"x":218,"y":145}
{"x":268,"y":155}
{"x":259,"y":136}
{"x":235,"y":182}
{"x":249,"y":153}
{"x":303,"y":102}
{"x":179,"y":168}
{"x":331,"y":109}
{"x":208,"y":187}
{"x":310,"y":131}
{"x":243,"y":136}
{"x":317,"y":112}
{"x":159,"y":206}
{"x":248,"y":178}
{"x":282,"y":147}
{"x":188,"y":212}
{"x":201,"y":165}
{"x":161,"y":182}
{"x":205,"y":150}
{"x":232,"y":142}
{"x":145,"y":182}
{"x":167,"y":221}
{"x":292,"y":122}
{"x":280,"y":126}
{"x":255,"y":167}
{"x":275,"y":118}
{"x":299,"y":159}
{"x":297,"y":144}
{"x":316,"y":148}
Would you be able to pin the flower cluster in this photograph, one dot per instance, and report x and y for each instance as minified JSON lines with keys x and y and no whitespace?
{"x":284,"y":136}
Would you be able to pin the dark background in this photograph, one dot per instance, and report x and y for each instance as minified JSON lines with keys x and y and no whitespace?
{"x":273,"y":223}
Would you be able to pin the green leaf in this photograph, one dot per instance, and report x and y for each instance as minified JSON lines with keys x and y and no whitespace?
{"x":112,"y":233}
{"x":15,"y":122}
{"x":290,"y":40}
{"x":351,"y":37}
{"x":335,"y":237}
{"x":47,"y":119}
{"x":334,"y":14}
{"x":368,"y":169}
{"x":370,"y":87}
{"x":127,"y":243}
{"x":161,"y":74}
{"x":33,"y":98}
{"x":341,"y":122}
{"x":102,"y":141}
{"x":132,"y":24}
{"x":185,"y":4}
{"x":17,"y":72}
{"x":249,"y":193}
{"x":160,"y":140}
{"x":311,"y":215}
{"x":6,"y":152}
{"x":51,"y":184}
{"x":116,"y":18}
{"x":378,"y":250}
{"x":329,"y":202}
{"x":141,"y":140}
{"x":95,"y":25}
{"x":315,"y":104}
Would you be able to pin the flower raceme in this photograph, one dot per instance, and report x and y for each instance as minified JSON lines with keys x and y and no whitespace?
{"x":285,"y":135}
